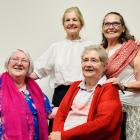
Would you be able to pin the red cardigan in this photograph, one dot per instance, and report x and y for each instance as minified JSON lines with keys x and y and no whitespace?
{"x":104,"y":118}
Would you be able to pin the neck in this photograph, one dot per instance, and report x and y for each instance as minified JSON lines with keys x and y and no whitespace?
{"x":73,"y":37}
{"x":90,"y":83}
{"x":113,"y":43}
{"x":20,"y":83}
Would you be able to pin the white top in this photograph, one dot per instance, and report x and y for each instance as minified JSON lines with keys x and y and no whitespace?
{"x":81,"y":105}
{"x":126,"y":76}
{"x":62,"y":61}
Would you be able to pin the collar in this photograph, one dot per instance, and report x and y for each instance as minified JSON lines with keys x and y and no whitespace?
{"x":100,"y":82}
{"x":76,"y":40}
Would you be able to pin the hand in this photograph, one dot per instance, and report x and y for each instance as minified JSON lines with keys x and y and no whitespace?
{"x":53,"y":113}
{"x":115,"y":81}
{"x":55,"y":135}
{"x":137,"y":42}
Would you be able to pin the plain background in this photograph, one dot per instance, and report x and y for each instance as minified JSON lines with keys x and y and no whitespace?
{"x":36,"y":24}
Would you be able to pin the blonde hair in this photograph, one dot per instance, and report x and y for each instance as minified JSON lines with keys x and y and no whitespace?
{"x":78,"y":13}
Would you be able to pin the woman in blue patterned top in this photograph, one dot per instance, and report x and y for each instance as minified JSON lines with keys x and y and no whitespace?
{"x":23,"y":106}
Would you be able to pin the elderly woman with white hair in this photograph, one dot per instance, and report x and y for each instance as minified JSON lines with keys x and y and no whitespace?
{"x":22,"y":103}
{"x":91,"y":109}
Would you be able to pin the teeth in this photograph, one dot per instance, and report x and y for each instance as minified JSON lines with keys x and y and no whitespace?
{"x":18,"y":68}
{"x":89,"y":70}
{"x":111,"y":32}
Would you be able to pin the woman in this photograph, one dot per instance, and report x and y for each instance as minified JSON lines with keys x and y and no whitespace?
{"x":91,"y":110}
{"x":22,"y":105}
{"x":62,"y":59}
{"x":123,"y":68}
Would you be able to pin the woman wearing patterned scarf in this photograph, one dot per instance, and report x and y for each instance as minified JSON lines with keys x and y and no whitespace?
{"x":123,"y":68}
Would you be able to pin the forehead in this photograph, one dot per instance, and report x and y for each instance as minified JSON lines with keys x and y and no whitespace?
{"x":71,"y":14}
{"x":91,"y":54}
{"x":112,"y":17}
{"x":19,"y":54}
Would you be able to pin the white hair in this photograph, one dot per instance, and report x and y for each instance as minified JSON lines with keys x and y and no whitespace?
{"x":31,"y":66}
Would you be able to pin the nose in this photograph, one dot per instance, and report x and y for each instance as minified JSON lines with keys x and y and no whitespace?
{"x":89,"y":63}
{"x":111,"y":26}
{"x":71,"y":21}
{"x":19,"y":62}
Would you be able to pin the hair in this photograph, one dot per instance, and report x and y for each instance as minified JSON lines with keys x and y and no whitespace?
{"x":78,"y":13}
{"x":125,"y":36}
{"x":31,"y":66}
{"x":101,"y":51}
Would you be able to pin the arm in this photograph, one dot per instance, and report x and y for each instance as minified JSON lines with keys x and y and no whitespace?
{"x":44,"y":64}
{"x":107,"y":119}
{"x":133,"y":86}
{"x":34,"y":76}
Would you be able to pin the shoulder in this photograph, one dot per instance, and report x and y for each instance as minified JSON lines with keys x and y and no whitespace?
{"x":76,"y":83}
{"x":54,"y":47}
{"x":86,"y":42}
{"x":110,"y":91}
{"x":109,"y":87}
{"x":74,"y":86}
{"x":57,"y":44}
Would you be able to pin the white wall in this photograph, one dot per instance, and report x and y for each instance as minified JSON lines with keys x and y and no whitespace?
{"x":35,"y":24}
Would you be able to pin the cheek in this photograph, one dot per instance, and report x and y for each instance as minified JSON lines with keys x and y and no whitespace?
{"x":104,"y":31}
{"x":9,"y":66}
{"x":82,"y":66}
{"x":27,"y":68}
{"x":64,"y":26}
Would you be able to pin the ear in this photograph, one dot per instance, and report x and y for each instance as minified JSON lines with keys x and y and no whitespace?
{"x":123,"y":29}
{"x":105,"y":67}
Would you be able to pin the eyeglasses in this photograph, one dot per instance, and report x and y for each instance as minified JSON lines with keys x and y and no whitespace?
{"x":17,"y":60}
{"x":114,"y":24}
{"x":92,"y":60}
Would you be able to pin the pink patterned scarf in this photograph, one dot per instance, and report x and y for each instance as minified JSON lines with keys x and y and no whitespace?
{"x":121,"y":58}
{"x":17,"y":119}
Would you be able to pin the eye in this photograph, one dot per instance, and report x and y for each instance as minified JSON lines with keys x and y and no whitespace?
{"x":106,"y":24}
{"x":93,"y":60}
{"x":24,"y":61}
{"x":85,"y":60}
{"x":114,"y":24}
{"x":75,"y":19}
{"x":67,"y":19}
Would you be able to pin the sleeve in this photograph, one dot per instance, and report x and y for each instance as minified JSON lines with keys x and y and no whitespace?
{"x":48,"y":105}
{"x":44,"y":64}
{"x":64,"y":108}
{"x":106,"y":121}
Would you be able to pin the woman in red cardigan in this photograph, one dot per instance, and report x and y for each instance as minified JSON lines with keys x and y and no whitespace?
{"x":91,"y":109}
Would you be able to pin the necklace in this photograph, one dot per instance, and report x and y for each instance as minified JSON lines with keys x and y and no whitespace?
{"x":23,"y":88}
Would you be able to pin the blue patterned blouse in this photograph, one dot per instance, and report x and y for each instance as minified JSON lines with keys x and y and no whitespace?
{"x":33,"y":110}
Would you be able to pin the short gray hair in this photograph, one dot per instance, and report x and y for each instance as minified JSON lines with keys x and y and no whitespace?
{"x":101,"y":51}
{"x":31,"y":66}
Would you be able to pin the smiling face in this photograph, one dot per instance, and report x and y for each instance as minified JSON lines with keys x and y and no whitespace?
{"x":18,"y":65}
{"x":92,"y":66}
{"x":112,"y":27}
{"x":72,"y":25}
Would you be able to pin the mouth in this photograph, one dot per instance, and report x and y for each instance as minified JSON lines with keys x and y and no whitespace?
{"x":111,"y":31}
{"x":18,"y":68}
{"x":72,"y":27}
{"x":89,"y":70}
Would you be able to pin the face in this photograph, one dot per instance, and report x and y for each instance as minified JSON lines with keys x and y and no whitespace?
{"x":18,"y":65}
{"x":112,"y":27}
{"x":72,"y":24}
{"x":91,"y":65}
